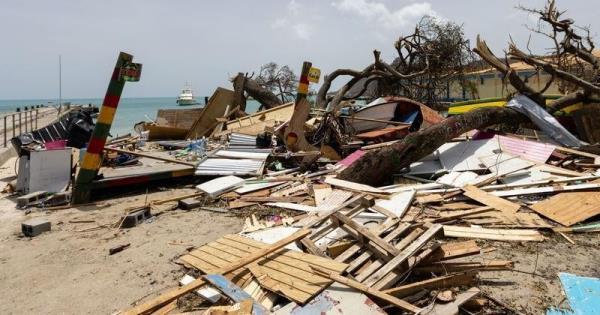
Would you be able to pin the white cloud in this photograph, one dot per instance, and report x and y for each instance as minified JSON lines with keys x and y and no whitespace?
{"x":302,"y":30}
{"x":379,"y":13}
{"x":279,"y":23}
{"x":293,"y":7}
{"x":293,"y":22}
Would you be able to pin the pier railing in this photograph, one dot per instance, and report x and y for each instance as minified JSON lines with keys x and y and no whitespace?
{"x":19,"y":122}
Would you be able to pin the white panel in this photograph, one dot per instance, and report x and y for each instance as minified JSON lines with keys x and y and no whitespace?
{"x":50,"y":170}
{"x":463,"y":156}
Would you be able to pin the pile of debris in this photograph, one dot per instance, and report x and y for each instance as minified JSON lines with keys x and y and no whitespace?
{"x":313,"y":241}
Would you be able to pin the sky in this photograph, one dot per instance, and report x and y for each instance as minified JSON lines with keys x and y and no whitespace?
{"x":207,"y":42}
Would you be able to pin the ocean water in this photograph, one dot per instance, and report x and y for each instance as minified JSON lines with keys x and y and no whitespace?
{"x":129,"y":112}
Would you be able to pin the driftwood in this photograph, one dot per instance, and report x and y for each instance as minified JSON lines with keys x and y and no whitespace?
{"x":376,"y":166}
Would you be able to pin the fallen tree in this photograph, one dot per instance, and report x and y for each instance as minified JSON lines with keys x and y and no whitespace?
{"x":273,"y":86}
{"x":243,"y":83}
{"x":376,"y":166}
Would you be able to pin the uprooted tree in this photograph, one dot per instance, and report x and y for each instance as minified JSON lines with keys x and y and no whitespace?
{"x":272,"y":86}
{"x":435,"y":55}
{"x":571,"y":62}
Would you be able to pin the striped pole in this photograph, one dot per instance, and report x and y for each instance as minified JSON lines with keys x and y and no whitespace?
{"x":294,"y":134}
{"x":93,"y":156}
{"x":303,"y":84}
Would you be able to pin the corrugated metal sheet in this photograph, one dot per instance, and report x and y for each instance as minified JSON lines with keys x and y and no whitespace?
{"x":529,"y":150}
{"x":220,"y":166}
{"x":228,"y":162}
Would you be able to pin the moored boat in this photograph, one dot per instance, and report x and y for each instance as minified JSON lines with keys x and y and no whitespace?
{"x":186,"y":97}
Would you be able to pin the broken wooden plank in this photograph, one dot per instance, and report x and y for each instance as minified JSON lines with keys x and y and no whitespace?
{"x":292,"y":206}
{"x":374,"y":279}
{"x":450,"y":267}
{"x":354,"y":186}
{"x":152,"y":304}
{"x":365,"y":289}
{"x":544,"y":190}
{"x":446,"y":281}
{"x":459,"y":214}
{"x":493,"y":234}
{"x":363,"y":231}
{"x":454,"y":250}
{"x":150,"y":156}
{"x":490,"y":200}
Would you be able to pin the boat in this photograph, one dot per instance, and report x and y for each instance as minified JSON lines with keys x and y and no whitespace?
{"x":186,"y":97}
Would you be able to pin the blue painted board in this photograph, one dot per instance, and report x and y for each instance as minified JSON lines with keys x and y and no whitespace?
{"x":234,"y":292}
{"x":583,"y":294}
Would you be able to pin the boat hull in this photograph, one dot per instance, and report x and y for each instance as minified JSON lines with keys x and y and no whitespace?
{"x":186,"y":102}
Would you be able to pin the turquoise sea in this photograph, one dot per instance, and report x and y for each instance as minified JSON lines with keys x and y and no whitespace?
{"x":129,"y":112}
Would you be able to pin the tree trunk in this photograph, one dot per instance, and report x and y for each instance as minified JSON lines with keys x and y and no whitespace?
{"x":377,"y":166}
{"x":238,"y":87}
{"x":263,"y":96}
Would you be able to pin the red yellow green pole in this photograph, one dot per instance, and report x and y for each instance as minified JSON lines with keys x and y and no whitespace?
{"x":93,"y":156}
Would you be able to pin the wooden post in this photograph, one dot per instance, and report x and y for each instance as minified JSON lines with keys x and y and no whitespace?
{"x":294,"y":132}
{"x":37,"y":113}
{"x":93,"y":155}
{"x":13,"y":127}
{"x":20,"y":124}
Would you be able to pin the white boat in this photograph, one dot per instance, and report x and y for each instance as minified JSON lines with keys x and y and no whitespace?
{"x":186,"y":97}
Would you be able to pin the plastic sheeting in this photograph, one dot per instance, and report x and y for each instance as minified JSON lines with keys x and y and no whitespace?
{"x":544,"y":120}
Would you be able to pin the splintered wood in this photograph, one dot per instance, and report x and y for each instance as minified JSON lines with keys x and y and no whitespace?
{"x":285,"y":272}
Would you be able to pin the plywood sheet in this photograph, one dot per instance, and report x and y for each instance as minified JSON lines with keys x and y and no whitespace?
{"x":280,"y":113}
{"x":180,"y":118}
{"x":286,"y":272}
{"x":570,"y":207}
{"x":217,"y":104}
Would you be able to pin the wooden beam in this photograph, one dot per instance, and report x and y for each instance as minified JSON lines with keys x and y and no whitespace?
{"x":448,"y":281}
{"x":409,"y":251}
{"x":151,"y":305}
{"x":161,"y":201}
{"x":365,"y":289}
{"x":488,"y":199}
{"x":366,"y":233}
{"x":150,"y":156}
{"x":449,"y":267}
{"x":493,"y":234}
